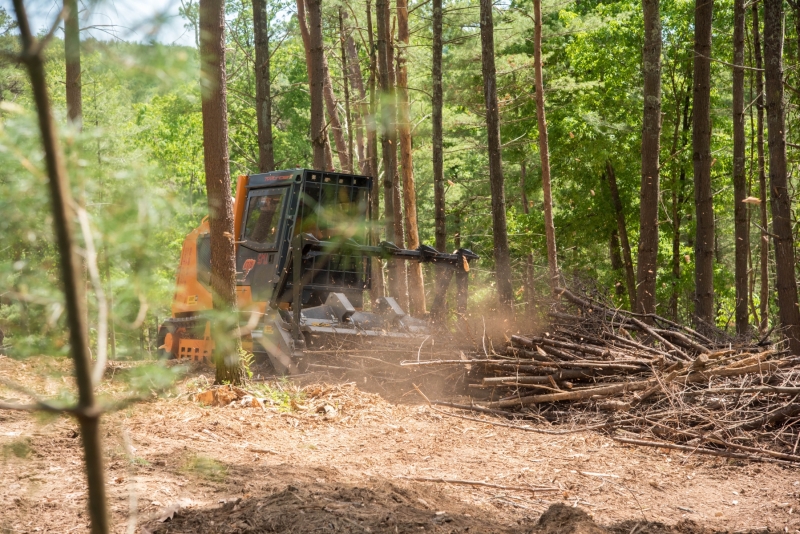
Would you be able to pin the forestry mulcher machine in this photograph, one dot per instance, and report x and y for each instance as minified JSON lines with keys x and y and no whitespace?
{"x":302,"y":267}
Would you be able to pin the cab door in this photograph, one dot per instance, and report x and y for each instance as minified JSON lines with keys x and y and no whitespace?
{"x":256,"y":259}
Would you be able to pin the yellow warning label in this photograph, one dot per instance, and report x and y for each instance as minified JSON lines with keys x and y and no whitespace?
{"x":191,"y":299}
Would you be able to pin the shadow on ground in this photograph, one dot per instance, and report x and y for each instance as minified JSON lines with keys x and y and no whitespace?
{"x":314,"y":502}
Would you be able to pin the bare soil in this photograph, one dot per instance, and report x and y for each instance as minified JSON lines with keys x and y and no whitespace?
{"x":177,"y":466}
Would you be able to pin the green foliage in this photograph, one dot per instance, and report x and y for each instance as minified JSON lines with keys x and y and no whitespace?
{"x":137,"y":164}
{"x":281,"y":393}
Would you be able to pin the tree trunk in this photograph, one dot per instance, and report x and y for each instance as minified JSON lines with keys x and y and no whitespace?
{"x":333,"y":110}
{"x":440,"y":231}
{"x":72,"y":54}
{"x":266,"y":157}
{"x":701,"y":143}
{"x":312,"y":41}
{"x":779,"y":198}
{"x":502,"y":258}
{"x":378,"y":289}
{"x":617,"y":265}
{"x":622,"y":229}
{"x":416,"y":286}
{"x":348,"y":117}
{"x":218,"y":186}
{"x":528,"y":276}
{"x":544,"y":147}
{"x":741,"y":228}
{"x":651,"y":134}
{"x":677,"y":214}
{"x":763,"y":293}
{"x":357,"y":84}
{"x":71,"y":278}
{"x":401,"y":267}
{"x":387,"y":144}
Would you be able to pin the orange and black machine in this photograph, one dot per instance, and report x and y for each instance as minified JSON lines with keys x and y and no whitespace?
{"x":302,"y":266}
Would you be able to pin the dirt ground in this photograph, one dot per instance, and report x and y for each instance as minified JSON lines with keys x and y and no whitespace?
{"x":177,"y":466}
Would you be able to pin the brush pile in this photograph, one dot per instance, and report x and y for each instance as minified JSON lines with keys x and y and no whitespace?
{"x":648,"y":381}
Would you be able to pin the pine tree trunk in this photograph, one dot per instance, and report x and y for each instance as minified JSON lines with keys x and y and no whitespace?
{"x":416,"y":286}
{"x":780,"y":199}
{"x":622,"y":229}
{"x":266,"y":157}
{"x":348,"y":117}
{"x":678,"y":199}
{"x":387,"y":145}
{"x":362,"y":109}
{"x":218,"y":185}
{"x":71,"y":278}
{"x":544,"y":147}
{"x":617,"y":265}
{"x":72,"y":55}
{"x":528,"y":277}
{"x":701,"y":157}
{"x":357,"y":91}
{"x":763,"y":293}
{"x":401,"y":267}
{"x":378,"y":285}
{"x":651,"y":135}
{"x":311,"y":32}
{"x":333,"y":111}
{"x":741,"y":228}
{"x":440,"y":229}
{"x":502,"y":258}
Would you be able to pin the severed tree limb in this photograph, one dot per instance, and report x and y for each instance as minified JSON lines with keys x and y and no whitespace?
{"x":699,"y":450}
{"x":476,"y":483}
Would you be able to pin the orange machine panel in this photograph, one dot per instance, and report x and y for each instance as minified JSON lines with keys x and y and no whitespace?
{"x":190,"y":294}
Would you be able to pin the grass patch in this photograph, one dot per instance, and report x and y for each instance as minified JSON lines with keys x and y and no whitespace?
{"x":20,"y":448}
{"x":281,"y":393}
{"x":205,"y":467}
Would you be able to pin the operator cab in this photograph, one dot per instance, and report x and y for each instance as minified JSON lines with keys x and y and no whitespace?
{"x":329,"y":206}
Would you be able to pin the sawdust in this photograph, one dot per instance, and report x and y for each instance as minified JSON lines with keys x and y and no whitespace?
{"x":295,"y":466}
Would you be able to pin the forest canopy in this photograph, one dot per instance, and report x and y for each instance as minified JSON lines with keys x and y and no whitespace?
{"x":135,"y":157}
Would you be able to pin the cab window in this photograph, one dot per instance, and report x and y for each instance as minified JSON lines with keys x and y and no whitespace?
{"x":264,"y":217}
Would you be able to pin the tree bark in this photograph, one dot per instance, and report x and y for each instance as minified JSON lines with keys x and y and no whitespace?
{"x":617,"y":265}
{"x":416,"y":286}
{"x":622,"y":229}
{"x":677,"y":214}
{"x":396,"y":280}
{"x":502,"y":258}
{"x":333,"y":111}
{"x":763,"y":293}
{"x":401,"y":267}
{"x":72,"y":55}
{"x":218,"y":185}
{"x":312,"y":41}
{"x":266,"y":156}
{"x":528,"y":278}
{"x":544,"y":148}
{"x":780,"y":199}
{"x":741,"y":228}
{"x":651,"y":135}
{"x":362,"y":109}
{"x":440,"y":230}
{"x":71,"y":276}
{"x":701,"y":157}
{"x":378,"y":286}
{"x":345,"y":71}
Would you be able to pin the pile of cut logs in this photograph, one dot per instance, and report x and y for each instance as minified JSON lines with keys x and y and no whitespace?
{"x":647,"y":381}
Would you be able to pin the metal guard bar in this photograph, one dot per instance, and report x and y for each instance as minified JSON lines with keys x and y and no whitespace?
{"x":458,"y":261}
